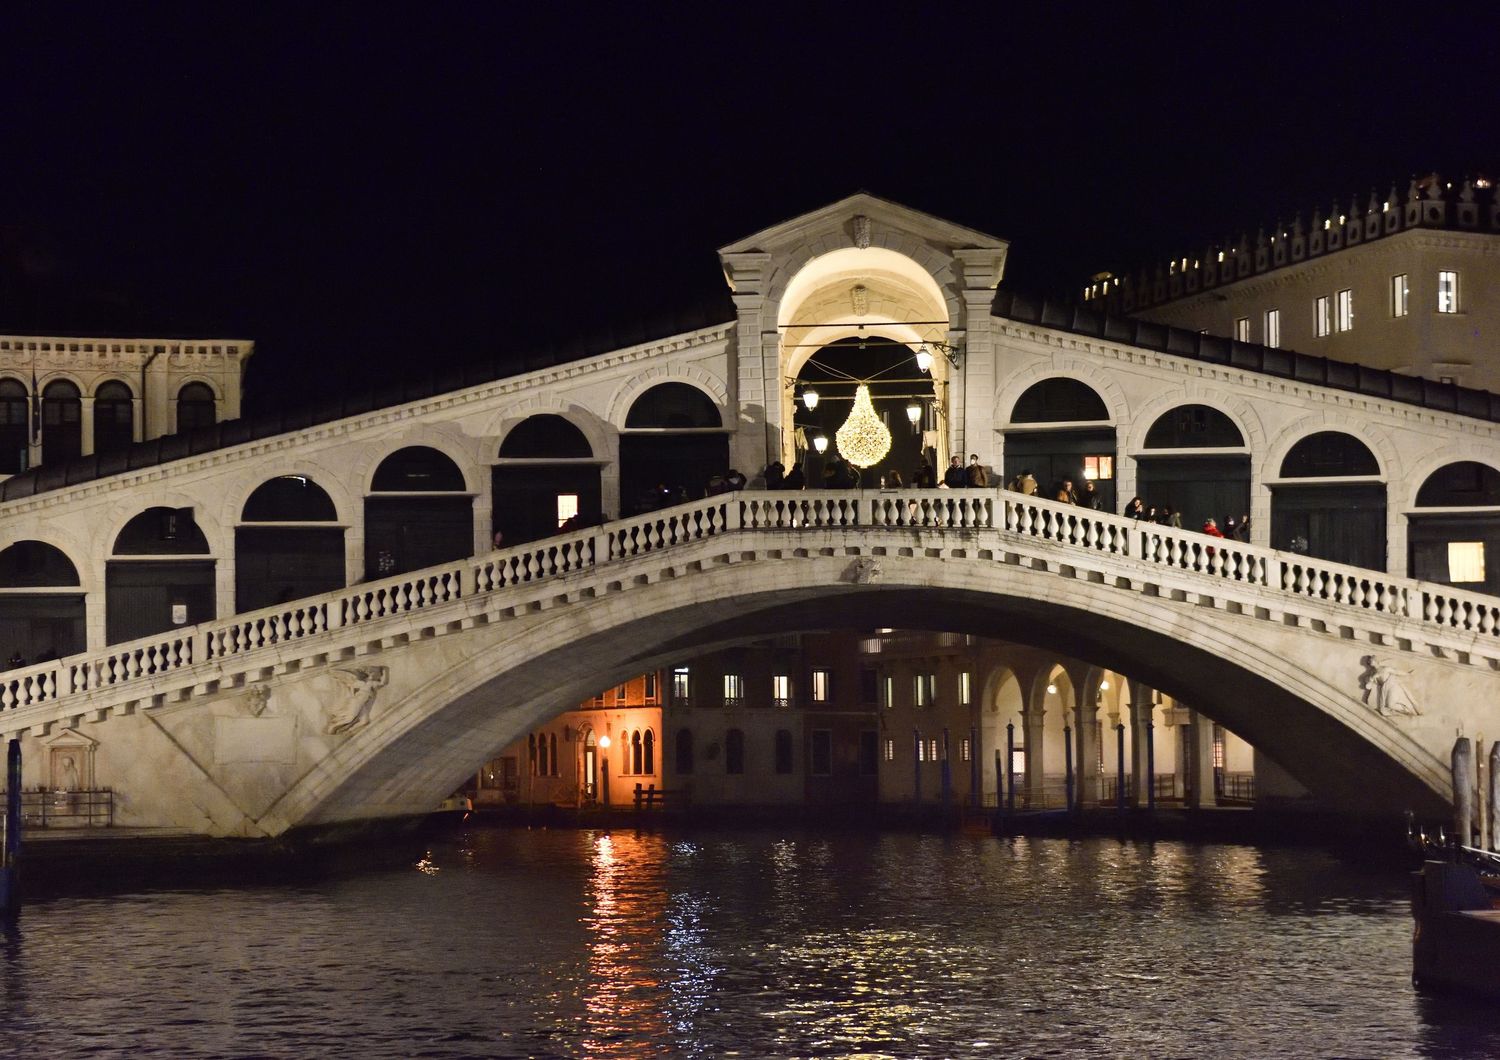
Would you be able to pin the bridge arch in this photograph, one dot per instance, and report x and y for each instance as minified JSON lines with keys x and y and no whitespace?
{"x":426,"y":740}
{"x":631,"y":390}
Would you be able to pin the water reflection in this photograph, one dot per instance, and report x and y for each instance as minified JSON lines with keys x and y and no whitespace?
{"x":580,"y":944}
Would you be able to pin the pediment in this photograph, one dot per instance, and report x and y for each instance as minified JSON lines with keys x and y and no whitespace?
{"x":69,"y":738}
{"x":841,"y":215}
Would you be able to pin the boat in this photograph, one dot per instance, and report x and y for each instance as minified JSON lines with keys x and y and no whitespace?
{"x":1456,"y":941}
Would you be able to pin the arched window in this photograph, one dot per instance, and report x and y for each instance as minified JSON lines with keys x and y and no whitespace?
{"x":114,"y":417}
{"x":531,"y":753}
{"x":418,"y":469}
{"x":684,"y":761}
{"x":674,"y":406}
{"x":15,"y":427}
{"x":289,"y":499}
{"x":648,"y":753}
{"x":162,"y":532}
{"x":546,"y":436}
{"x":635,"y":752}
{"x":1193,"y":427}
{"x":161,"y":576}
{"x":1329,"y":454}
{"x":552,"y":753}
{"x":783,"y":751}
{"x":1465,"y":484}
{"x":196,"y":407}
{"x":276,"y":563}
{"x":32,"y":564}
{"x":40,"y":625}
{"x":62,"y":422}
{"x":734,"y":752}
{"x":1059,"y":400}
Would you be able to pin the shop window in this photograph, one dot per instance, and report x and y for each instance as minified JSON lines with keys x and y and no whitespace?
{"x":1465,"y":561}
{"x":1100,"y":468}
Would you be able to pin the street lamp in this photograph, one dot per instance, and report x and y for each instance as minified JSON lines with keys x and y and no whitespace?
{"x":810,"y":398}
{"x":820,"y":443}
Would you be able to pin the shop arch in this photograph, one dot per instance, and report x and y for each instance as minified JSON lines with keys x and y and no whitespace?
{"x":1185,"y":466}
{"x":1317,"y":511}
{"x":41,"y":603}
{"x":419,"y":513}
{"x":1453,"y":533}
{"x":674,"y":441}
{"x":287,"y":545}
{"x":160,"y":575}
{"x":546,"y":473}
{"x":1079,"y":447}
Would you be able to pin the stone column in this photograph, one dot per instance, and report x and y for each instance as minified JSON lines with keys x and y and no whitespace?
{"x":1031,"y":727}
{"x":1202,"y":737}
{"x":86,"y":424}
{"x":755,"y":395}
{"x":971,"y":390}
{"x":1142,"y":706}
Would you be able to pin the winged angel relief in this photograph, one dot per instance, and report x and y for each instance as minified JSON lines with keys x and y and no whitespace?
{"x":358,"y":687}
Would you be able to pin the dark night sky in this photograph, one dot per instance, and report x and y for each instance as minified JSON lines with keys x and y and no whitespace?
{"x":348,"y":183}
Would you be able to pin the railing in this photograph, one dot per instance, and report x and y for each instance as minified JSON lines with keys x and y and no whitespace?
{"x":1236,"y":787}
{"x":959,"y":512}
{"x":66,"y":809}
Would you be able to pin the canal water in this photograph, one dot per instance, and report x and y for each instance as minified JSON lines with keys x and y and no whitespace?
{"x":573,"y":944}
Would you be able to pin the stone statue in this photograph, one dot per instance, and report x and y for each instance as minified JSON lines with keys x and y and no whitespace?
{"x":359,"y":685}
{"x":67,"y":769}
{"x":864,"y":570}
{"x":256,"y":697}
{"x":1387,"y":692}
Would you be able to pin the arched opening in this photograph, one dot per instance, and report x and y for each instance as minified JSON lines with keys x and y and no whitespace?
{"x":418,"y":514}
{"x":196,"y":407}
{"x":1341,"y":521}
{"x":682,"y":762}
{"x":1185,"y":469}
{"x":895,"y":384}
{"x":734,"y":752}
{"x":114,"y":417}
{"x":62,"y":422}
{"x":1055,"y":434}
{"x":1455,"y":538}
{"x":15,"y":427}
{"x":547,"y":474}
{"x":284,"y":547}
{"x":155,"y":580}
{"x":41,"y":604}
{"x":674,"y":441}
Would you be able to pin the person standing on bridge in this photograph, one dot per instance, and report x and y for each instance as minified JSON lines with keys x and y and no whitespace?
{"x":955,"y":477}
{"x":975,"y":474}
{"x":1065,"y":492}
{"x":1136,"y":509}
{"x":924,"y":477}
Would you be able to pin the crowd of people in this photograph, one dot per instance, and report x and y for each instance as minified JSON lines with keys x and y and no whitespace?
{"x":1235,"y":529}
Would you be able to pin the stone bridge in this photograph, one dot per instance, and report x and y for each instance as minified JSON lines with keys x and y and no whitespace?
{"x":374,"y":701}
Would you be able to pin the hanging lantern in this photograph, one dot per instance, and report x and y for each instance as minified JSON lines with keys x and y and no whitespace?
{"x":924,"y":359}
{"x":820,"y":443}
{"x":914,"y":413}
{"x":810,"y":398}
{"x":863,"y":439}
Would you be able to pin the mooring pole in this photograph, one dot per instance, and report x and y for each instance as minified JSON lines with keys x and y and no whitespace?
{"x":1495,"y":796}
{"x":974,"y":774}
{"x":946,"y":775}
{"x":1463,"y":793}
{"x":1010,"y":767}
{"x":1068,"y":767}
{"x":10,"y":850}
{"x":1150,"y":767}
{"x":1120,"y":767}
{"x":999,"y":782}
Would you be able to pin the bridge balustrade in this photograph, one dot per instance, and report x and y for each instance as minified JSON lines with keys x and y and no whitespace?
{"x":940,"y":511}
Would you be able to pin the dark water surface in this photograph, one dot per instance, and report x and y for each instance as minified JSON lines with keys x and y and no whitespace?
{"x":559,"y":943}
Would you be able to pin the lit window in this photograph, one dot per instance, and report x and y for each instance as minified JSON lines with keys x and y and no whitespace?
{"x":567,"y":507}
{"x":932,"y":750}
{"x":681,"y":686}
{"x":1242,"y":329}
{"x":1273,"y":327}
{"x":734,"y":690}
{"x":820,"y":682}
{"x":1465,"y":561}
{"x":1400,"y":295}
{"x":965,"y":685}
{"x":921,"y":749}
{"x":924,"y":690}
{"x":890,"y":750}
{"x":1018,"y":762}
{"x":1322,"y":317}
{"x":781,"y":690}
{"x":887,"y":692}
{"x":1345,"y":310}
{"x":1096,"y":468}
{"x":964,"y":750}
{"x":1447,"y":292}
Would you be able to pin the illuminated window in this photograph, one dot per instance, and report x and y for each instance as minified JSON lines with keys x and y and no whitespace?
{"x":567,"y":507}
{"x":821,"y":680}
{"x":1400,"y":295}
{"x":1345,"y":319}
{"x":1218,"y":747}
{"x":781,"y":690}
{"x":965,"y":685}
{"x":932,"y":750}
{"x":1465,"y":561}
{"x":890,"y":750}
{"x":964,"y":750}
{"x":734,"y":690}
{"x":1242,"y":329}
{"x":1322,"y":317}
{"x":1273,"y":327}
{"x":1447,"y":292}
{"x":921,"y":748}
{"x":1018,"y":762}
{"x":887,"y":692}
{"x":1099,"y":467}
{"x":924,"y":690}
{"x":682,"y":686}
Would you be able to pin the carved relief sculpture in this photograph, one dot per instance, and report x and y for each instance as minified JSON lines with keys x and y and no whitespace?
{"x":358,"y":687}
{"x":1386,"y":691}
